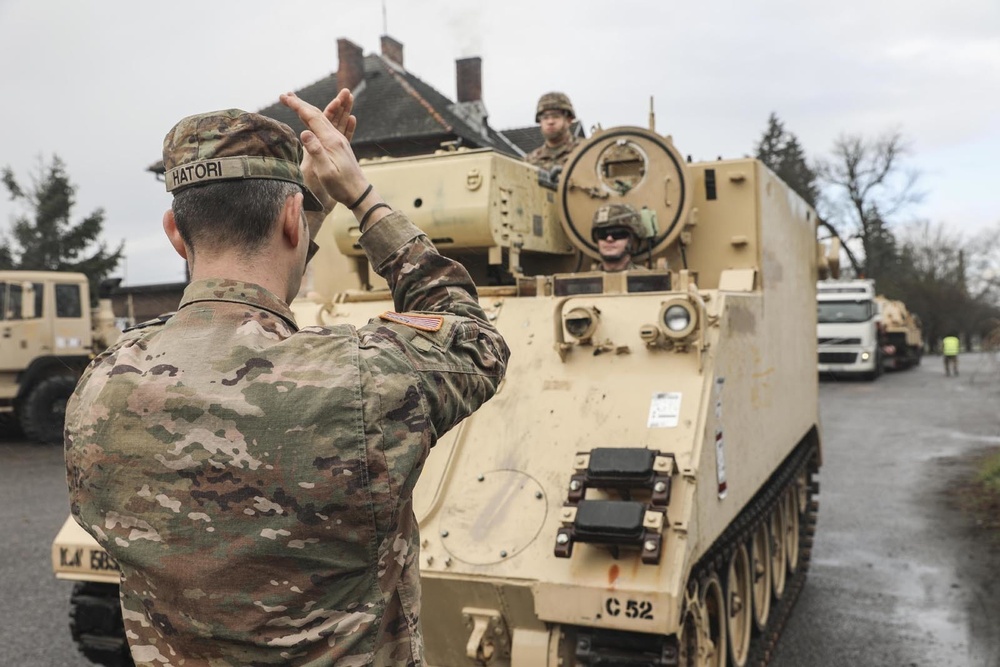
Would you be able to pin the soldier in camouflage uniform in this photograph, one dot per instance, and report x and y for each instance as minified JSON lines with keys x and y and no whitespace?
{"x":555,"y":117}
{"x":252,"y":478}
{"x":617,"y":230}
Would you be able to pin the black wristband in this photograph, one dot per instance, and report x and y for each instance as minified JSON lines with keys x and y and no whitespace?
{"x":368,"y":213}
{"x":360,"y":199}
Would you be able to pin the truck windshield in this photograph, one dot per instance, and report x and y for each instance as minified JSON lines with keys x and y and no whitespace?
{"x":844,"y":311}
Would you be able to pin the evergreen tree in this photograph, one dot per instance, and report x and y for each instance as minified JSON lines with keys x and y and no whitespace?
{"x":781,"y":151}
{"x":45,"y":238}
{"x":881,"y":254}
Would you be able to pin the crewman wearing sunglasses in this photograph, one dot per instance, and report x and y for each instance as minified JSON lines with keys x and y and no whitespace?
{"x":618,"y":231}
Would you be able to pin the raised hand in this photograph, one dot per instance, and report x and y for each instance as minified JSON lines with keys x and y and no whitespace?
{"x":329,"y":167}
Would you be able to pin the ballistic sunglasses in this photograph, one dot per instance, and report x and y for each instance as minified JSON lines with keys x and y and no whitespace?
{"x":615,"y":233}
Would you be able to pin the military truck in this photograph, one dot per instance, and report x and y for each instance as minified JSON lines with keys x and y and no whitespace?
{"x":641,"y":489}
{"x":849,"y":328}
{"x":48,"y":335}
{"x":902,"y":340}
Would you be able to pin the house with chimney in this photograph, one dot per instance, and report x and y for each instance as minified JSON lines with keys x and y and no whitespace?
{"x":399,"y":115}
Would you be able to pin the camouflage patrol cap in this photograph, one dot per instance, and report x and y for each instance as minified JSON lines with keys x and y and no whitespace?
{"x":617,"y":215}
{"x":233,"y":145}
{"x":554,"y":101}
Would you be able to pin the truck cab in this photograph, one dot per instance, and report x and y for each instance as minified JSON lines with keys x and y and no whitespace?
{"x":847,"y":328}
{"x":48,"y":335}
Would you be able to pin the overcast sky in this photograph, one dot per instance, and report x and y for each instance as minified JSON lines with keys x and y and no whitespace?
{"x":100,"y":83}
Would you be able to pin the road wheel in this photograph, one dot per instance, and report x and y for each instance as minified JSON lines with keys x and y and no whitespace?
{"x":42,"y":412}
{"x":791,"y":505}
{"x":760,"y":569}
{"x":776,"y":537}
{"x":802,"y":490}
{"x":739,"y":607}
{"x":703,"y":630}
{"x":713,"y":606}
{"x":691,"y":635}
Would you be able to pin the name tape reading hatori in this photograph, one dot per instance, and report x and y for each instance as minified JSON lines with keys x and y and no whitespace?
{"x":224,"y":168}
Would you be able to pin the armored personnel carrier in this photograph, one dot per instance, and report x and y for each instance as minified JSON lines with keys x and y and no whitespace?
{"x":641,"y":489}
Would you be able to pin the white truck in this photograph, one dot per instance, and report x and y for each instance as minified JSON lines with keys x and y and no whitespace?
{"x":847,"y":328}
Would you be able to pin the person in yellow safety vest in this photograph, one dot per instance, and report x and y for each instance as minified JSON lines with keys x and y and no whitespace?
{"x":950,"y":346}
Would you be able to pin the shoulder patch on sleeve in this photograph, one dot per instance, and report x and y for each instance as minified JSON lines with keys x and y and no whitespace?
{"x":149,"y":323}
{"x":417,"y":321}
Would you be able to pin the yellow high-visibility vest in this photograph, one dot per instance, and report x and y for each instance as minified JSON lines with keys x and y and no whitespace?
{"x":950,"y":346}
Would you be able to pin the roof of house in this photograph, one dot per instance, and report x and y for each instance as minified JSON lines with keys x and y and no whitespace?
{"x":390,"y":104}
{"x":393,"y":105}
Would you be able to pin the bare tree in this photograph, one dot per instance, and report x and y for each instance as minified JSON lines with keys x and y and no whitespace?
{"x":867,"y":186}
{"x":982,"y":260}
{"x":949,"y":279}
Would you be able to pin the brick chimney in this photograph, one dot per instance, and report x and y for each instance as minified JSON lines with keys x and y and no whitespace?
{"x":470,"y":107}
{"x":351,"y":67}
{"x":469,"y":77}
{"x":392,"y":50}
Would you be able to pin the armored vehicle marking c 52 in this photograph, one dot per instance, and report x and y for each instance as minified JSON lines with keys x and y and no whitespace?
{"x":640,"y":490}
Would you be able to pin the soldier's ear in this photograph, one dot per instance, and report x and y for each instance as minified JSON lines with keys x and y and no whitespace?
{"x":292,"y":220}
{"x":174,"y":234}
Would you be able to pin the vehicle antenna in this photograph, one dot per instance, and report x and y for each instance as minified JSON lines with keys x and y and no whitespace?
{"x":652,"y":116}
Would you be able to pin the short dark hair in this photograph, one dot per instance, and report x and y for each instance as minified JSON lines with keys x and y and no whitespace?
{"x":233,"y":214}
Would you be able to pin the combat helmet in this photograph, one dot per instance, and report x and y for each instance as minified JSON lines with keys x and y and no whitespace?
{"x":554,"y":101}
{"x":618,"y":215}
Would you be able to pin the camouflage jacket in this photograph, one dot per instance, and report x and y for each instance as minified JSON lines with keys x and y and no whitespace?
{"x":254,"y":479}
{"x":546,"y":158}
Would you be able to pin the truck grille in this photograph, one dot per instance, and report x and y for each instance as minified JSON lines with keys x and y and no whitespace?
{"x":838,"y":357}
{"x":840,"y":341}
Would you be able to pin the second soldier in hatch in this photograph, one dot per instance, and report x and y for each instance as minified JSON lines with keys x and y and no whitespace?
{"x":618,"y":231}
{"x":554,"y":115}
{"x":252,"y":479}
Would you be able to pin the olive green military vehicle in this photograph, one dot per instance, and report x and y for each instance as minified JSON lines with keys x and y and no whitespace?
{"x":640,"y":490}
{"x":48,"y":335}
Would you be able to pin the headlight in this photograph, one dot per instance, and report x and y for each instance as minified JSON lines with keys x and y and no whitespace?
{"x":865,"y":356}
{"x":580,"y":323}
{"x":679,"y":318}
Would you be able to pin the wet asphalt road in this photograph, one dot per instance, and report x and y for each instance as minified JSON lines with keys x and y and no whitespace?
{"x":34,"y":630}
{"x":898,"y":576}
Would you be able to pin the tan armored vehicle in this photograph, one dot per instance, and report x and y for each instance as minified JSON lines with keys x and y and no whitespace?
{"x":640,"y":491}
{"x":901,"y":336}
{"x":49,"y":335}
